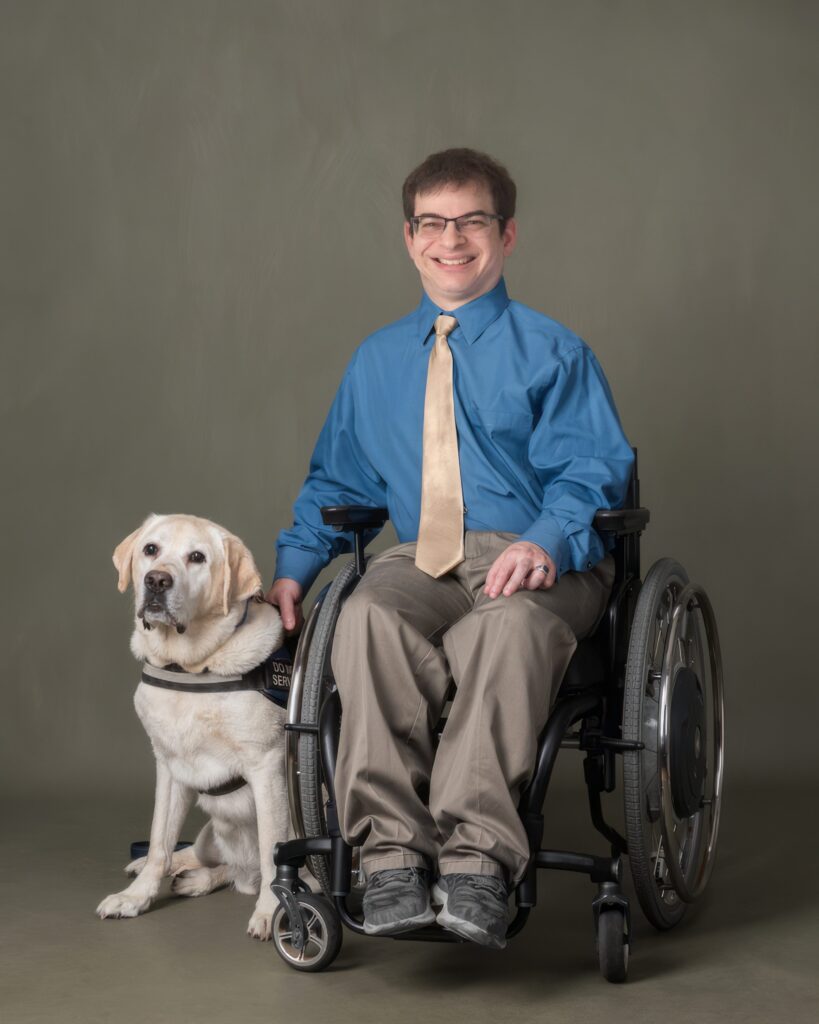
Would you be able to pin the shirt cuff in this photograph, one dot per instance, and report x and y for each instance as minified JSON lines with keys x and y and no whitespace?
{"x":299,"y":565}
{"x":550,"y":537}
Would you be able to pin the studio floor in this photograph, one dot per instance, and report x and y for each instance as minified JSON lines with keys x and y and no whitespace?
{"x":747,"y":952}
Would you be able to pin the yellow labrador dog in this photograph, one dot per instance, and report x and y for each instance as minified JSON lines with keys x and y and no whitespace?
{"x":201,"y":626}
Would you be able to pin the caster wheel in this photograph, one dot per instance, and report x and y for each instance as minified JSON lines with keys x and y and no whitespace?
{"x":323,"y":934}
{"x":612,"y":947}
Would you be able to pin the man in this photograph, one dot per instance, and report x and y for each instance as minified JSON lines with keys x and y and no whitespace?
{"x":489,"y":432}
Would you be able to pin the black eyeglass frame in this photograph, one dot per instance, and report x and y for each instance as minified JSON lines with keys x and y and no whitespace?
{"x":416,"y":221}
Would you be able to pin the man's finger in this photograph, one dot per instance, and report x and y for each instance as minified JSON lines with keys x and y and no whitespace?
{"x":517,"y":577}
{"x":549,"y":578}
{"x":287,"y":610}
{"x":498,"y":575}
{"x":534,"y":581}
{"x":539,"y":578}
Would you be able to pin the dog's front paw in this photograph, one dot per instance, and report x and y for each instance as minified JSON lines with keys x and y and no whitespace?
{"x":260,"y":925}
{"x":123,"y":904}
{"x":195,"y":882}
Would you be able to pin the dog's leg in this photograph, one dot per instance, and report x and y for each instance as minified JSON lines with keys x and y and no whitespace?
{"x":171,"y":805}
{"x":205,"y":873}
{"x":203,"y":854}
{"x":201,"y":881}
{"x":182,"y":860}
{"x":273,"y":820}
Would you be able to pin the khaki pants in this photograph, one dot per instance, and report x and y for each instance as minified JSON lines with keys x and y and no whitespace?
{"x":402,"y":638}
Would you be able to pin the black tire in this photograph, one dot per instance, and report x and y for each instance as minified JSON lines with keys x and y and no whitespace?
{"x":612,"y":946}
{"x":316,"y":681}
{"x":324,"y":934}
{"x":664,"y":582}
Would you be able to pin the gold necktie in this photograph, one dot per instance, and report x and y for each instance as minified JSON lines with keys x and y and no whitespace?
{"x":441,"y":530}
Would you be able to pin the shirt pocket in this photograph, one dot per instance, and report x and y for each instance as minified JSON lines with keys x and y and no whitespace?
{"x":508,"y":427}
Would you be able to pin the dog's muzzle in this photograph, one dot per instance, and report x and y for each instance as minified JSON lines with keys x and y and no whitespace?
{"x":154,"y":608}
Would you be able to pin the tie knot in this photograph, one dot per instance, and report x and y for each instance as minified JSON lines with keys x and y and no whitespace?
{"x":445,"y":325}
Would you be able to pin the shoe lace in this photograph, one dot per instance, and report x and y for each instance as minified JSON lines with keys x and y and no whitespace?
{"x":381,"y":878}
{"x":485,"y":883}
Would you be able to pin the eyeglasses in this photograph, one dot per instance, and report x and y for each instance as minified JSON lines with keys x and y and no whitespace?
{"x":428,"y":225}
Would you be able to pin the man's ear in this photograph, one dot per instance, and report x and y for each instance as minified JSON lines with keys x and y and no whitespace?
{"x":509,"y":235}
{"x":241,"y":577}
{"x":123,"y":556}
{"x":408,"y":237}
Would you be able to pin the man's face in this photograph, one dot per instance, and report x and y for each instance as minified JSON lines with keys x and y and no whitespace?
{"x":456,"y":268}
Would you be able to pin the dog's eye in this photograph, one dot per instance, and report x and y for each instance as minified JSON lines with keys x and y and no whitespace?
{"x":150,"y":549}
{"x":196,"y":556}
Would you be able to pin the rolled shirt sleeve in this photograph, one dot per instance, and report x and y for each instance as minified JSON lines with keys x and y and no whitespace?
{"x":582,"y":459}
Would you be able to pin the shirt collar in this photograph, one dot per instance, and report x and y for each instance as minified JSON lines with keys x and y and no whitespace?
{"x":473,"y":317}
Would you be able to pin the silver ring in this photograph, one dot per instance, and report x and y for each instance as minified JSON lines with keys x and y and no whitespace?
{"x":543,"y":568}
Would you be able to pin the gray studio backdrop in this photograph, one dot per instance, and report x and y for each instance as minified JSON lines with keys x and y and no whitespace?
{"x":201,"y":220}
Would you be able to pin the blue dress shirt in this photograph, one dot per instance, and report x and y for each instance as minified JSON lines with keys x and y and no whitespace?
{"x":540,"y":443}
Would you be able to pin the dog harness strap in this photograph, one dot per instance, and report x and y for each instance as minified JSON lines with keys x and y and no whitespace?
{"x":168,"y":679}
{"x":271,"y":679}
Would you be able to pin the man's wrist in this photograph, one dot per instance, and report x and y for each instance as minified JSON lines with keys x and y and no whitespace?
{"x":551,"y":541}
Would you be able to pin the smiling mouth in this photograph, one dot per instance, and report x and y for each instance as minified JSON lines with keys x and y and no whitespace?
{"x":460,"y":262}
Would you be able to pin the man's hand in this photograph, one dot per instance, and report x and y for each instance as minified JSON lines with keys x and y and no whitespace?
{"x":515,"y":568}
{"x":286,"y":595}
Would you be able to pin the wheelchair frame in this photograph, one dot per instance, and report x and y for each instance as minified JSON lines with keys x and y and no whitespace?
{"x":591,"y":694}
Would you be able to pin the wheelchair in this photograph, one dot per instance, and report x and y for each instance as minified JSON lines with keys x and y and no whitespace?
{"x":647,"y":686}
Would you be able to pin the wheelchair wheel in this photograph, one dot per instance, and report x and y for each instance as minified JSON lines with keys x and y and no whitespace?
{"x":672,"y":704}
{"x":316,"y":682}
{"x":323,"y":935}
{"x":612,"y":947}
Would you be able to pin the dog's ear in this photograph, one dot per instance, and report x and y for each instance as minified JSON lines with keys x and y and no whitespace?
{"x":122,"y":559}
{"x":241,"y":577}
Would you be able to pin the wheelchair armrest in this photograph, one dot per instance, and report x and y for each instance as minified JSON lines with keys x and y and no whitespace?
{"x":621,"y":521}
{"x":354,"y":517}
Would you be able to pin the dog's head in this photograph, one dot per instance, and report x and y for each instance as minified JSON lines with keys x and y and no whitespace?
{"x":184,"y":568}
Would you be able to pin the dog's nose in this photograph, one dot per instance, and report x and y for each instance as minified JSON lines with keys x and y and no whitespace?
{"x":157,"y":582}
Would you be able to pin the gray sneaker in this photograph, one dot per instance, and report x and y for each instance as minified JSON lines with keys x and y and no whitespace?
{"x":397,"y":900}
{"x":476,"y":907}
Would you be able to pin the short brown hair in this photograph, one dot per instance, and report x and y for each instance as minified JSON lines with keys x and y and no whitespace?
{"x":460,"y":167}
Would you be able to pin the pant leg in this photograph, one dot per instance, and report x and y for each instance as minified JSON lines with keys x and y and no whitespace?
{"x":507,"y":657}
{"x":392,"y":679}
